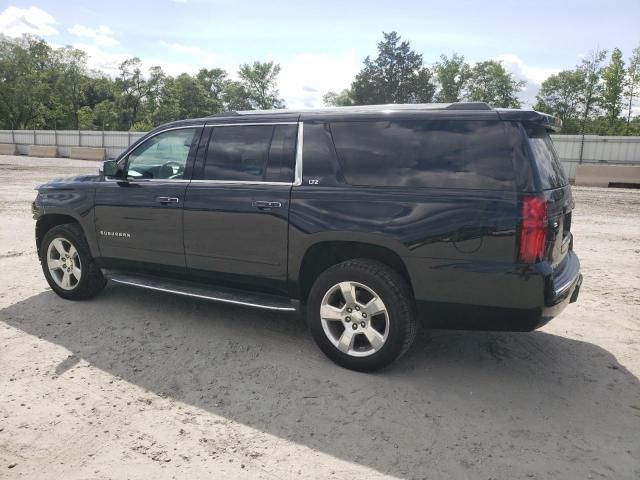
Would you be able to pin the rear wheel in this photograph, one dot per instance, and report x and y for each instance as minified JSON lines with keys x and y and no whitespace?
{"x":67,"y":263}
{"x":361,"y":314}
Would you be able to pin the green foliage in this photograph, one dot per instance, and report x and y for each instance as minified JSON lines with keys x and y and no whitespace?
{"x":614,"y":77}
{"x":85,"y":118}
{"x":42,"y":87}
{"x":452,"y":75}
{"x":26,"y":71}
{"x":259,"y":83}
{"x":561,"y":95}
{"x":491,"y":83}
{"x":591,"y":69}
{"x":397,"y":75}
{"x":632,"y":84}
{"x":333,"y":99}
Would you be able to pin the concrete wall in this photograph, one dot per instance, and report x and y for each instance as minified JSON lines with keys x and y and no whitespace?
{"x":595,"y":149}
{"x":8,"y":149}
{"x":88,"y":153}
{"x":114,"y":143}
{"x":603,"y":175}
{"x":43,"y":151}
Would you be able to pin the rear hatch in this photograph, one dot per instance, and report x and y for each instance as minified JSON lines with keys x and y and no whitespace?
{"x":554,"y":186}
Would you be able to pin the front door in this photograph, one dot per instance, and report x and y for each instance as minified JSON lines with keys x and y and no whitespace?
{"x":139,"y":217}
{"x":236,"y":213}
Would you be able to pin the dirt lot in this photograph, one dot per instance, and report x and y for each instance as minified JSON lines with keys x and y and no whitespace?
{"x":136,"y":384}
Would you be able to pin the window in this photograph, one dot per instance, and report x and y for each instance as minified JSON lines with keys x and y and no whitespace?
{"x":424,"y":153}
{"x":251,"y":153}
{"x":545,"y":157}
{"x":163,"y":156}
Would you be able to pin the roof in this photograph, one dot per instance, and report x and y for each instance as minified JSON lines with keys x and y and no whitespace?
{"x":370,"y":108}
{"x":475,"y":110}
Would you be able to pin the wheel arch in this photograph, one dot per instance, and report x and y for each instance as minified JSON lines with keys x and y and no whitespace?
{"x":324,"y":254}
{"x":48,"y":221}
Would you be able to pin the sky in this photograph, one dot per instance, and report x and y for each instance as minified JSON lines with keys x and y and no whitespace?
{"x":320,"y":45}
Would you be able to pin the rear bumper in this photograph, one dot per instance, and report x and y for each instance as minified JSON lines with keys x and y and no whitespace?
{"x":537,"y":294}
{"x":562,"y":287}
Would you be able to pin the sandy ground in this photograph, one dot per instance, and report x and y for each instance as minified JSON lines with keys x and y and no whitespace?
{"x":135,"y":384}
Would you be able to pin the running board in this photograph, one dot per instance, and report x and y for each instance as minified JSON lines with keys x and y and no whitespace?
{"x":205,"y":292}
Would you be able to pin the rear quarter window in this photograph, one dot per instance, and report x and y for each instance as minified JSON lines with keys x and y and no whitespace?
{"x":544,"y":156}
{"x":424,"y":153}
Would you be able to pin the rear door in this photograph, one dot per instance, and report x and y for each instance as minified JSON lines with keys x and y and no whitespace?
{"x":236,"y":215}
{"x":139,"y":219}
{"x":555,"y":186}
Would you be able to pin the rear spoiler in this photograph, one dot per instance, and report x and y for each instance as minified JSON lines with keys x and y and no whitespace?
{"x":531,"y":117}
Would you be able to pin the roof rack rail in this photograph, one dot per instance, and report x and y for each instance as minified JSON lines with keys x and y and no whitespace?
{"x":462,"y":106}
{"x":468,"y":106}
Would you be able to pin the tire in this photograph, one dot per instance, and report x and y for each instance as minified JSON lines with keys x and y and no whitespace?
{"x":68,"y":244}
{"x":395,"y":328}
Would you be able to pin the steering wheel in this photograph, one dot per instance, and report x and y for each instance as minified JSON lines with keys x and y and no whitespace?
{"x":179,"y":166}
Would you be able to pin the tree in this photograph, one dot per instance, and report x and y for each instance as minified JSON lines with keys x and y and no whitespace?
{"x":491,"y":83}
{"x":25,"y":83}
{"x":591,"y":69}
{"x":236,"y":97}
{"x":561,"y":95}
{"x":105,"y":115}
{"x":136,"y":89}
{"x":632,"y":84}
{"x":614,"y":80}
{"x":397,"y":75}
{"x":333,"y":99}
{"x":71,"y":85}
{"x":213,"y":81}
{"x":259,"y":83}
{"x":452,"y":75}
{"x":85,"y":117}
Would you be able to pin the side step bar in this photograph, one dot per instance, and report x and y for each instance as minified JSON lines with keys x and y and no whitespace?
{"x":206,"y":292}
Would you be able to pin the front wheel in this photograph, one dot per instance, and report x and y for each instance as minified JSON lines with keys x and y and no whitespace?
{"x":361,"y":314}
{"x":67,"y":263}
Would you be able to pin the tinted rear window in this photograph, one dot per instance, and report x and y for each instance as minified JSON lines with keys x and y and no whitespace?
{"x":251,"y":153}
{"x":546,"y":160}
{"x":419,"y":153}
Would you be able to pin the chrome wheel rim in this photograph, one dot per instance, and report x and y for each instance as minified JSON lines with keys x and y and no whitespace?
{"x":63,"y":263}
{"x":354,"y":318}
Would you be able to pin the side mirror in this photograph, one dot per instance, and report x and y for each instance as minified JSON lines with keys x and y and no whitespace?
{"x":110,"y":168}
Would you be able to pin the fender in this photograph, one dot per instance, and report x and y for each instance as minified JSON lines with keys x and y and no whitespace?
{"x":73,"y":197}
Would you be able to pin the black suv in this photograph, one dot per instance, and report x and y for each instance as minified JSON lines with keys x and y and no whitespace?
{"x":370,"y":218}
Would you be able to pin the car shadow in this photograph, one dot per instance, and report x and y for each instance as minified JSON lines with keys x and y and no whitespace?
{"x":467,"y":398}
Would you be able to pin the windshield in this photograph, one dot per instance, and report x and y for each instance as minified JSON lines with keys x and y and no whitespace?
{"x":546,"y":159}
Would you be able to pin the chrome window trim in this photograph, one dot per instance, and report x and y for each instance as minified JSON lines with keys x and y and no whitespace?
{"x":237,"y":182}
{"x":147,"y":180}
{"x":136,"y":145}
{"x":297,"y":176}
{"x":256,"y":124}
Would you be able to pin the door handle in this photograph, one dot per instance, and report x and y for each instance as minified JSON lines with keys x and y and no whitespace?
{"x":165,"y":200}
{"x":265,"y":204}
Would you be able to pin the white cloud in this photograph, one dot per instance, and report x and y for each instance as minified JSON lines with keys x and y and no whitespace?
{"x":108,"y":61}
{"x":534,"y":76}
{"x":515,"y":65}
{"x":15,"y":22}
{"x":102,"y":35}
{"x":305,"y":78}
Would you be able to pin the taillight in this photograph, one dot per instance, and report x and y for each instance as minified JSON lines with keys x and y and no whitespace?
{"x":533,"y":229}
